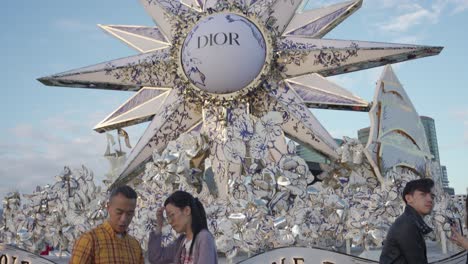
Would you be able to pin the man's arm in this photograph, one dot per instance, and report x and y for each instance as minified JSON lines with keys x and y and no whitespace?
{"x":83,"y":251}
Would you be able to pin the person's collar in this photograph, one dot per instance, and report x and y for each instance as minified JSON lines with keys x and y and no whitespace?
{"x":418,"y":220}
{"x":109,"y":229}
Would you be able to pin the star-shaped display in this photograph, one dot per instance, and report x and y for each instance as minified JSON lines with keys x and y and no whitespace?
{"x":223,"y":65}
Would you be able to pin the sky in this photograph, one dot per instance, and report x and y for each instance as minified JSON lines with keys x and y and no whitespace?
{"x":46,"y":128}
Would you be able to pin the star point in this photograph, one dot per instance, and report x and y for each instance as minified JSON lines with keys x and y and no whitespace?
{"x":187,"y":51}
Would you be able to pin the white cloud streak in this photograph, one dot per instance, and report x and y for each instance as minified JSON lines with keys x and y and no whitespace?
{"x":70,"y":24}
{"x":32,"y":155}
{"x":402,"y":16}
{"x":462,"y":116}
{"x":76,"y":26}
{"x":457,"y":6}
{"x":413,"y":15}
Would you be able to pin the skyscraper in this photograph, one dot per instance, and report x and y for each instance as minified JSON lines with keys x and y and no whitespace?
{"x":313,"y":158}
{"x":431,"y":135}
{"x":363,"y":135}
{"x":310,"y":155}
{"x":445,"y":181}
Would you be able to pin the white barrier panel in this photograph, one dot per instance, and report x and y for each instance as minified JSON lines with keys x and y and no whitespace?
{"x":13,"y":255}
{"x":297,"y":255}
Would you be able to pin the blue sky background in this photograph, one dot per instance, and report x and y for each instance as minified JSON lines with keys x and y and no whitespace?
{"x":44,"y":128}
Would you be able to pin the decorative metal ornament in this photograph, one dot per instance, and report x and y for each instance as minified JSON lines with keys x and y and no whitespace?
{"x":228,"y":54}
{"x":397,"y":136}
{"x":223,"y":83}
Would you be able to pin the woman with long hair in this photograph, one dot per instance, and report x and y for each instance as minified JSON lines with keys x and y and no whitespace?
{"x":458,"y":238}
{"x":195,"y":245}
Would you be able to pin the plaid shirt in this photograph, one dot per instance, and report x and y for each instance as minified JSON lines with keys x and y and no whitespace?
{"x":102,"y":245}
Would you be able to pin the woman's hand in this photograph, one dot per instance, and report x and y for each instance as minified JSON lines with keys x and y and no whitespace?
{"x":459,"y":239}
{"x":159,"y":218}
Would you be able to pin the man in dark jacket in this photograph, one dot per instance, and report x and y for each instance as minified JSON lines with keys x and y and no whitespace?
{"x":405,"y":239}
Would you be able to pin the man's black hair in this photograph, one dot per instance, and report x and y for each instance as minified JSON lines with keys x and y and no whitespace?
{"x":125,"y":190}
{"x":423,"y":185}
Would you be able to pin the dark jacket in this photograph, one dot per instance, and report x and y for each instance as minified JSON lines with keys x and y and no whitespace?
{"x":405,"y":239}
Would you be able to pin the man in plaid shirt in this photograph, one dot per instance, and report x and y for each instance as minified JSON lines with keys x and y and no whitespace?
{"x":109,"y":242}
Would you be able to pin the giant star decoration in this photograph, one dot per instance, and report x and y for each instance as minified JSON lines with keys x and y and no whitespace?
{"x":223,"y":65}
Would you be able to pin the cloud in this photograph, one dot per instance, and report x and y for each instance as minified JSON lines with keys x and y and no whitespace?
{"x":409,"y":39}
{"x":27,"y":132}
{"x":402,"y":16}
{"x":361,"y":83}
{"x":398,"y":17}
{"x":33,"y":155}
{"x":409,"y":13}
{"x":413,"y":15}
{"x":76,"y":25}
{"x":462,"y":116}
{"x":462,"y":6}
{"x":457,"y":6}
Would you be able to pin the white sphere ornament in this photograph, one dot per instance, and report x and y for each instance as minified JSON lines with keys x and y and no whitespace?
{"x":223,"y":53}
